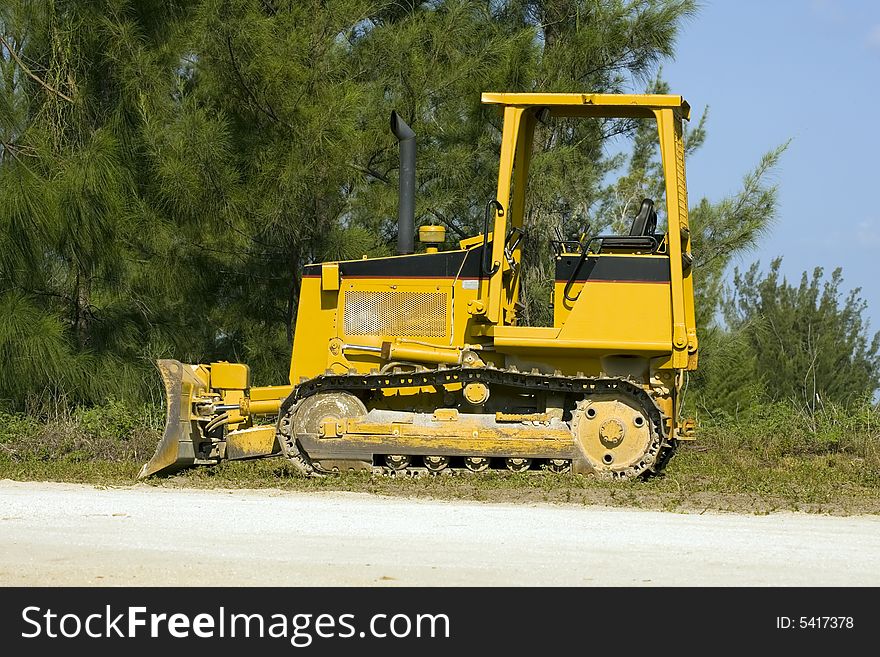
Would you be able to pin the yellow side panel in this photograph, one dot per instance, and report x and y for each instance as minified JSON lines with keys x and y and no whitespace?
{"x":266,"y":393}
{"x":617,"y":312}
{"x":229,"y":376}
{"x":315,"y":327}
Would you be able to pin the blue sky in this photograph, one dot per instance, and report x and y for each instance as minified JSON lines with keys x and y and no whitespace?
{"x":805,"y":70}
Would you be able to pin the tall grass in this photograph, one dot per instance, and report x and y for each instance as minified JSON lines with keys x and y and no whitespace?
{"x":55,"y":431}
{"x":784,"y":429}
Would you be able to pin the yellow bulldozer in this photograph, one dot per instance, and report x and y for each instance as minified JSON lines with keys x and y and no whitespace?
{"x":417,"y":363}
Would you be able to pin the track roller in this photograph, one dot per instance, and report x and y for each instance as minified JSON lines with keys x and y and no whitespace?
{"x":436,"y":463}
{"x":517,"y":464}
{"x":476,"y":463}
{"x":397,"y":461}
{"x":558,"y":466}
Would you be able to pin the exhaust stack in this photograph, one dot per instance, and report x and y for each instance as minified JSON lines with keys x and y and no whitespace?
{"x":406,"y":207}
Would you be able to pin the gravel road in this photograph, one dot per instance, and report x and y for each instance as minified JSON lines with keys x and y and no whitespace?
{"x":67,"y":534}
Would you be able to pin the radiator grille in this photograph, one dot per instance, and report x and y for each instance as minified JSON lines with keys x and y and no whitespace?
{"x":405,"y":314}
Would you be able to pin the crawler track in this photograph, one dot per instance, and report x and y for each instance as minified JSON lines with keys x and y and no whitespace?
{"x":575,"y":388}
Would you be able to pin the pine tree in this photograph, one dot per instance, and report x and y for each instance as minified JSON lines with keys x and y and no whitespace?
{"x":78,"y":81}
{"x":809,"y":343}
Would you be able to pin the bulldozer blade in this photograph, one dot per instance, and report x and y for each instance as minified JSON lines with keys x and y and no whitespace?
{"x":177,"y":448}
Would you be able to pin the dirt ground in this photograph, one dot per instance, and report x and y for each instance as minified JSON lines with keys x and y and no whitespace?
{"x":71,"y":534}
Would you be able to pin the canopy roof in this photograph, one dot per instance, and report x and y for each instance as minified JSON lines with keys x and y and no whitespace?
{"x":592,"y":104}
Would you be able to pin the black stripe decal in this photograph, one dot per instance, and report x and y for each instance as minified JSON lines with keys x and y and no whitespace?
{"x":621,"y":269}
{"x":445,"y":264}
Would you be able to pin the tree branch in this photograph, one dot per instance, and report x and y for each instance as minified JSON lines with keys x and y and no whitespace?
{"x":370,"y":172}
{"x":458,"y":231}
{"x":15,"y":148}
{"x":30,"y":74}
{"x":268,"y":112}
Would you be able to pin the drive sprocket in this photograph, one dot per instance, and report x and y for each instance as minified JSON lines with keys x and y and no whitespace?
{"x":616,"y":435}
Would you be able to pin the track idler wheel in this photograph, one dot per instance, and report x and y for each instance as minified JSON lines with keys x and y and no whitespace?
{"x":307,"y":417}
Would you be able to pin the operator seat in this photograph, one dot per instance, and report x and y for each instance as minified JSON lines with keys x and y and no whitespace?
{"x":645,"y":222}
{"x":641,"y":236}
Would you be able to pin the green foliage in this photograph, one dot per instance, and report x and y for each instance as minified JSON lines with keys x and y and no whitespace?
{"x":78,"y":79}
{"x":113,"y":420}
{"x":777,"y":430}
{"x":34,"y":351}
{"x":809,"y":344}
{"x":114,"y":432}
{"x":726,"y":380}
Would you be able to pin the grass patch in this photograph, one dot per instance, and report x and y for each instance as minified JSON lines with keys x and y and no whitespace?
{"x":776,"y":459}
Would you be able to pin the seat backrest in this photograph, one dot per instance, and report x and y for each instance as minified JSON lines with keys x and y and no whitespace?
{"x":645,"y":222}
